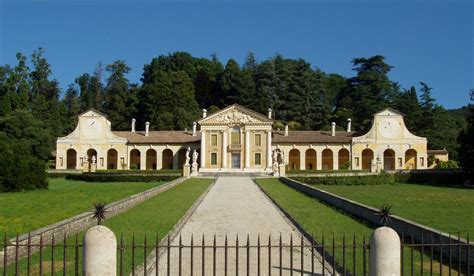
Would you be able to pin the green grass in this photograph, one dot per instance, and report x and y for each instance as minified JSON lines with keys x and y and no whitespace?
{"x":154,"y":218}
{"x":448,"y":209}
{"x":27,"y":211}
{"x":320,"y":219}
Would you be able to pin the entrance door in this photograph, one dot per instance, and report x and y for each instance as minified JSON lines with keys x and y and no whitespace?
{"x":235,"y":160}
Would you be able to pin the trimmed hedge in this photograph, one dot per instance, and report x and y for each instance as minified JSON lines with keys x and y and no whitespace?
{"x":348,"y":180}
{"x":443,"y":177}
{"x":176,"y":172}
{"x":120,"y":177}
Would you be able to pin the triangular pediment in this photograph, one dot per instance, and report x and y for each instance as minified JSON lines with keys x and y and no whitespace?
{"x":235,"y":114}
{"x":389,"y":112}
{"x":92,"y":113}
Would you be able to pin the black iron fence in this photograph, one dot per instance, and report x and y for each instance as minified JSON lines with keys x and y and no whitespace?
{"x":236,"y":256}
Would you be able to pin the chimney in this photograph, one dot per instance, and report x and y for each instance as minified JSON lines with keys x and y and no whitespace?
{"x":147,"y":128}
{"x":349,"y":125}
{"x":286,"y":130}
{"x":333,"y":129}
{"x":204,"y":113}
{"x":133,"y":124}
{"x":269,"y":113}
{"x":194,"y":128}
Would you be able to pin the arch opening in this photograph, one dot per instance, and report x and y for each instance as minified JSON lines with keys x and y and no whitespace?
{"x":71,"y":159}
{"x":367,"y":157}
{"x":389,"y":160}
{"x":327,"y":159}
{"x":343,"y":159}
{"x":134,"y":159}
{"x":112,"y":159}
{"x":167,"y":159}
{"x":151,"y":159}
{"x":410,"y":159}
{"x":294,"y":159}
{"x":181,"y":158}
{"x":310,"y":159}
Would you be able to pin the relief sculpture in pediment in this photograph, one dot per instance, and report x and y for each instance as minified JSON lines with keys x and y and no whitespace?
{"x":236,"y":117}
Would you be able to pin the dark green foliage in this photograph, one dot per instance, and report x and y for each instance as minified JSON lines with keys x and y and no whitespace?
{"x":348,"y":180}
{"x":99,"y":212}
{"x":384,"y":213}
{"x":450,"y":164}
{"x":445,"y":177}
{"x":120,"y":177}
{"x":466,"y":138}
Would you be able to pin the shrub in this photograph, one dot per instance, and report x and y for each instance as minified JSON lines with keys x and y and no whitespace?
{"x":348,"y":180}
{"x":445,"y":177}
{"x":450,"y":164}
{"x":120,"y":177}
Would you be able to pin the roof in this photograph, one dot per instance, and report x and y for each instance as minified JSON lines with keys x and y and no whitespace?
{"x":391,"y":110}
{"x":93,"y":110}
{"x":159,"y":137}
{"x":308,"y":136}
{"x":243,"y":109}
{"x":438,"y":151}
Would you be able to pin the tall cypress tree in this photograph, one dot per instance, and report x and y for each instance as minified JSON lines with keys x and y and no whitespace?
{"x":117,"y":95}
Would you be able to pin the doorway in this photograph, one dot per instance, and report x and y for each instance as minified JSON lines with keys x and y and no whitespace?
{"x":235,"y":160}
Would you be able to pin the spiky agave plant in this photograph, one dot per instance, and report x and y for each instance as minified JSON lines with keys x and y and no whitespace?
{"x":99,"y":212}
{"x":384,"y":213}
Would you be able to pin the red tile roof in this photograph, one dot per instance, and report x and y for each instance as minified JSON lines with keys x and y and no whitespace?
{"x":159,"y":137}
{"x":296,"y":136}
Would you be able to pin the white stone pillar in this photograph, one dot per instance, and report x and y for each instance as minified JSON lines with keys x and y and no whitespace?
{"x":100,"y":251}
{"x":159,"y":159}
{"x":302,"y":161}
{"x":384,"y":252}
{"x":269,"y":149}
{"x":247,"y":149}
{"x":224,"y":149}
{"x":335,"y":160}
{"x":319,"y":161}
{"x":142,"y":159}
{"x":203,"y":149}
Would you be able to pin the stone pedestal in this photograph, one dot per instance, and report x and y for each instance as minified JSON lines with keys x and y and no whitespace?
{"x":93,"y":168}
{"x":194,"y":170}
{"x":187,"y":170}
{"x":85,"y":166}
{"x":100,"y":251}
{"x":282,"y":170}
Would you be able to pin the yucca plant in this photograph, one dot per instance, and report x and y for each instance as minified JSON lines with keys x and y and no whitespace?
{"x":384,"y":213}
{"x":99,"y":212}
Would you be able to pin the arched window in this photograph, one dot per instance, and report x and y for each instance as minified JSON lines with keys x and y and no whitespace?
{"x":182,"y":157}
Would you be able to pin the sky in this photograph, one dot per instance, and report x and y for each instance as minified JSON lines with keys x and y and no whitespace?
{"x":429,"y":41}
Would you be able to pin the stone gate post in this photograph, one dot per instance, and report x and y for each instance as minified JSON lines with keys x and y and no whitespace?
{"x":100,"y":251}
{"x":385,"y":257}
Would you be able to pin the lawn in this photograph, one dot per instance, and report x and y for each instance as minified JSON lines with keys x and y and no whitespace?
{"x":27,"y":211}
{"x":320,"y":219}
{"x":153,"y":218}
{"x":448,"y":209}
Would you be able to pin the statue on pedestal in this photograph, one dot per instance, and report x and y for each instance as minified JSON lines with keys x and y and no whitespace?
{"x":188,"y":158}
{"x":195,"y":165}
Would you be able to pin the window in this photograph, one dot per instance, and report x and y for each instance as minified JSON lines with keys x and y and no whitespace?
{"x":422,"y":161}
{"x":357,"y":161}
{"x":258,"y":159}
{"x":400,"y":163}
{"x":214,"y":140}
{"x":235,"y":136}
{"x":214,"y":158}
{"x":258,"y":139}
{"x":61,"y":161}
{"x":102,"y":161}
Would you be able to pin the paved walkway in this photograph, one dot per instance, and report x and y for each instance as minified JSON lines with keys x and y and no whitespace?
{"x":236,"y":206}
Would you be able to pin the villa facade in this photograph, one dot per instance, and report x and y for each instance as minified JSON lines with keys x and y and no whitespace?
{"x":238,"y":139}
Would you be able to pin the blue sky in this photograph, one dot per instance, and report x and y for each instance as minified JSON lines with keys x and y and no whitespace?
{"x":430,"y":41}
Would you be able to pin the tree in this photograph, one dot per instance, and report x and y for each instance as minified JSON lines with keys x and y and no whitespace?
{"x":25,"y":146}
{"x":229,"y":83}
{"x":117,"y":95}
{"x":407,"y":102}
{"x":72,"y":105}
{"x":466,"y":138}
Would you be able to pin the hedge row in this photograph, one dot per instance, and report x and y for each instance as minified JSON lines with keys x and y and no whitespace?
{"x":177,"y":172}
{"x":110,"y":177}
{"x":450,"y":178}
{"x":348,"y":180}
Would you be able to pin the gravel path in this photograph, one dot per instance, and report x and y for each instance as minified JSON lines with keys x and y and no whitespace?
{"x":235,"y":206}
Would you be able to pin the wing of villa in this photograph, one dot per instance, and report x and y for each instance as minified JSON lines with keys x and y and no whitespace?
{"x":238,"y":139}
